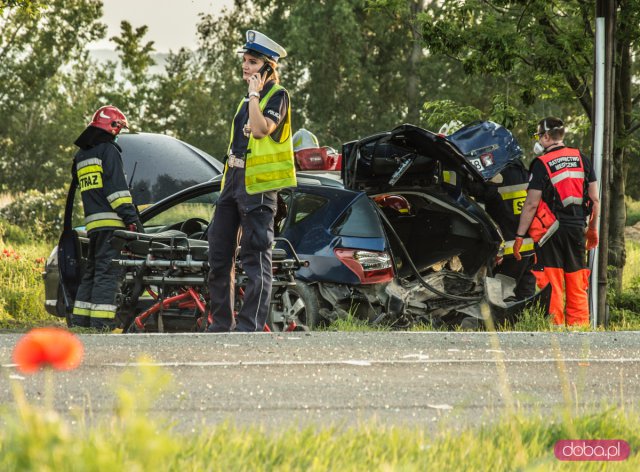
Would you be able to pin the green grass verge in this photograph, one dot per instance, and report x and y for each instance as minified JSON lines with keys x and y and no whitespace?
{"x":37,"y":438}
{"x":45,"y":442}
{"x":22,"y":288}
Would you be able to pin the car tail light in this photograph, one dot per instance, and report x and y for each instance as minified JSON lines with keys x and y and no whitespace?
{"x":371,"y":267}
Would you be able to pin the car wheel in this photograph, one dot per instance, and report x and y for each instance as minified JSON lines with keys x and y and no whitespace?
{"x":300,"y":304}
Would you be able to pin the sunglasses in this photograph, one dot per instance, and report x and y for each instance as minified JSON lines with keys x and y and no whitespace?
{"x":538,"y":135}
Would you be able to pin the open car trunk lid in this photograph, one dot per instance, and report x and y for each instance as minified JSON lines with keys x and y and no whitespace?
{"x":406,"y":156}
{"x":488,"y":146}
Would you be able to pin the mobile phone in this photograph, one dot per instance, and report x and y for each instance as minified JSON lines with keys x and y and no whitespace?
{"x":265,"y":71}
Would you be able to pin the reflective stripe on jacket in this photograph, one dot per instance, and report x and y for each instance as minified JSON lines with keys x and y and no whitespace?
{"x":513,"y":197}
{"x":566,"y":173}
{"x":269,"y":164}
{"x":105,"y":195}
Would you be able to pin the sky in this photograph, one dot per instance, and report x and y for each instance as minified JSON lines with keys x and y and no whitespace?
{"x":172,"y":23}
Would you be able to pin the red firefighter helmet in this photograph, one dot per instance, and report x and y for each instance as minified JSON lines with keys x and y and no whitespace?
{"x":110,"y":119}
{"x":394,"y":202}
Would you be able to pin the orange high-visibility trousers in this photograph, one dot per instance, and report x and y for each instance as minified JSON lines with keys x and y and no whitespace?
{"x":577,"y":284}
{"x":541,"y":278}
{"x":555,"y":277}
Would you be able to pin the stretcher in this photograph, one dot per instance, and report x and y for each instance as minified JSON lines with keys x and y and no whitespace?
{"x":164,"y":281}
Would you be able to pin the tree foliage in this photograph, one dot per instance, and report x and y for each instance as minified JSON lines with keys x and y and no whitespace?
{"x":545,"y":50}
{"x":355,"y":67}
{"x":34,"y":49}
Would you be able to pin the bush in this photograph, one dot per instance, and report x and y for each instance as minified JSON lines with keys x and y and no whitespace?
{"x":12,"y":234}
{"x":39,"y":215}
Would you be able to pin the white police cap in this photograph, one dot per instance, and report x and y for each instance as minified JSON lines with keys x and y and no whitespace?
{"x":262,"y":44}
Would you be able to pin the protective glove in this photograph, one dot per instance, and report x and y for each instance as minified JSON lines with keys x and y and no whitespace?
{"x":592,"y":238}
{"x":517,"y":244}
{"x":136,"y":227}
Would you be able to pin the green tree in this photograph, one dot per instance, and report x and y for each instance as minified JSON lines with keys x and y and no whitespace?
{"x":351,"y":70}
{"x":134,"y":89}
{"x":40,"y":120}
{"x":545,"y":50}
{"x":27,"y":6}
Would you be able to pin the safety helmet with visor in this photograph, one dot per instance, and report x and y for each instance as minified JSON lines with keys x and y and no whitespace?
{"x":109,"y":119}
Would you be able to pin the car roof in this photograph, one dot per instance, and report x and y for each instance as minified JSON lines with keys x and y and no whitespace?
{"x":158,"y":165}
{"x":489,"y":146}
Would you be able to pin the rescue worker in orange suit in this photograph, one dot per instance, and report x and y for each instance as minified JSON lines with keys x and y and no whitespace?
{"x":260,"y":161}
{"x":107,"y":206}
{"x":504,"y":197}
{"x":564,"y":180}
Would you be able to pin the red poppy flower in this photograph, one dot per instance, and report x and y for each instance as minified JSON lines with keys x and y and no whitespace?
{"x":53,"y":347}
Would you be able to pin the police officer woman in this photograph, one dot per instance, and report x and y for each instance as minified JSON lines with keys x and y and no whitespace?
{"x":259,"y":162}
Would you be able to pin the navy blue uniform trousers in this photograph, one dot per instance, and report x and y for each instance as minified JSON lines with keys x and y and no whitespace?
{"x":247,"y":219}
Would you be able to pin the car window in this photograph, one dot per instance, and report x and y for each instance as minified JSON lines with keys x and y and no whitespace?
{"x":305,"y":205}
{"x":158,"y":166}
{"x":282,"y":211}
{"x":359,"y":220}
{"x":201,"y":206}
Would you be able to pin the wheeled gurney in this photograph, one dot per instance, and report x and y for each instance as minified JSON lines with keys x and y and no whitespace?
{"x":164,"y":283}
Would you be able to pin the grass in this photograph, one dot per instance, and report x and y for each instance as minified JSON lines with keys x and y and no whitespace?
{"x":22,"y":289}
{"x":633,"y":211}
{"x":37,"y":438}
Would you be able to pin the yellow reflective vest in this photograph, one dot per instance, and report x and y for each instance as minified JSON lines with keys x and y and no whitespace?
{"x":269,"y":164}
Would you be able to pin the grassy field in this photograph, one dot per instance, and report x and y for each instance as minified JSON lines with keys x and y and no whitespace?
{"x":22,"y":289}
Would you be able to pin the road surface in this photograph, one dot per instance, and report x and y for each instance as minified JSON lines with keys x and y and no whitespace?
{"x":424,"y":379}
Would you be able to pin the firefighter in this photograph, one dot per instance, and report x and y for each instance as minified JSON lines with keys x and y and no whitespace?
{"x":504,"y":196}
{"x":563,"y":180}
{"x":107,"y":206}
{"x":259,"y":162}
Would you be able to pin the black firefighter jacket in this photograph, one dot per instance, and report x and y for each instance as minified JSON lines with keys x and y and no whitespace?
{"x":105,"y":196}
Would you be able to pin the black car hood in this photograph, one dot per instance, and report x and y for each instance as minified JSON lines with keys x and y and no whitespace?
{"x":158,"y":165}
{"x":488,"y":146}
{"x":371,"y":163}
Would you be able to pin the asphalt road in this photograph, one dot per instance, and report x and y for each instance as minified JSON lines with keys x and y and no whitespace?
{"x":426,"y":379}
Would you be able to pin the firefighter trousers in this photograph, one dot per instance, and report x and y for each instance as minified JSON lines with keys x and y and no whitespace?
{"x":95,"y":300}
